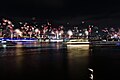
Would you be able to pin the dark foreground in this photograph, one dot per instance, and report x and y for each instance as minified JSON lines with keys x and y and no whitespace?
{"x":57,"y":62}
{"x":52,"y":62}
{"x":106,"y":63}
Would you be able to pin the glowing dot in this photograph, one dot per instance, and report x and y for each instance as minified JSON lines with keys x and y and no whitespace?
{"x":20,"y":22}
{"x":68,"y":23}
{"x":83,"y":22}
{"x":9,"y":22}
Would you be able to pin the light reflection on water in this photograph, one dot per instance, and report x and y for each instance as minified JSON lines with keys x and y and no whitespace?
{"x":77,"y":52}
{"x":78,"y":61}
{"x":50,"y":59}
{"x":28,"y":48}
{"x":56,"y":61}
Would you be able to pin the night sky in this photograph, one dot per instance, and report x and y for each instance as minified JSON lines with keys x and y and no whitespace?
{"x":62,"y":11}
{"x":58,"y":7}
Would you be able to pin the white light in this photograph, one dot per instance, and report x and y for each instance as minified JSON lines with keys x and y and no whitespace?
{"x":17,"y":31}
{"x":12,"y":25}
{"x":83,"y":22}
{"x":20,"y":22}
{"x":4,"y":46}
{"x":70,"y":33}
{"x":90,"y":69}
{"x":5,"y":20}
{"x":36,"y":30}
{"x":86,"y":32}
{"x":9,"y":22}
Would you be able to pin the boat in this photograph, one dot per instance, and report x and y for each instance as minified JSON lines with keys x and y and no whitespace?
{"x":10,"y":43}
{"x":105,"y":44}
{"x":5,"y":44}
{"x":79,"y":44}
{"x":56,"y":40}
{"x":51,"y":40}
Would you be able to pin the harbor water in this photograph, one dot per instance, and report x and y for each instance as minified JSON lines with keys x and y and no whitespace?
{"x":55,"y":61}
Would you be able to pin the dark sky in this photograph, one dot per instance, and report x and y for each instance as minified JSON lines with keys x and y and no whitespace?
{"x":58,"y":7}
{"x":62,"y":10}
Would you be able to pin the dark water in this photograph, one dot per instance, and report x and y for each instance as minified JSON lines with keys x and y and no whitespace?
{"x":106,"y":63}
{"x":57,"y":62}
{"x":48,"y":62}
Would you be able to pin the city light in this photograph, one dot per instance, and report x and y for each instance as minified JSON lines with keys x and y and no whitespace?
{"x":47,"y":31}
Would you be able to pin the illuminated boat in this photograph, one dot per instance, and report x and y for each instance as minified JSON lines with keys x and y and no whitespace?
{"x":7,"y":42}
{"x":56,"y":40}
{"x":79,"y":44}
{"x":51,"y":40}
{"x":22,"y":40}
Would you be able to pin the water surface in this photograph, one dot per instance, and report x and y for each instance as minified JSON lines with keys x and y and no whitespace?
{"x":54,"y":61}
